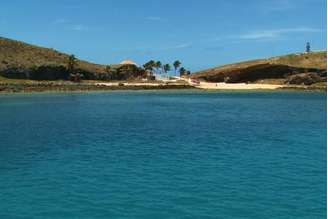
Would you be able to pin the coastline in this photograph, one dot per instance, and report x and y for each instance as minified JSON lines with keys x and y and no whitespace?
{"x":237,"y":86}
{"x":63,"y":86}
{"x":81,"y":87}
{"x":255,"y":86}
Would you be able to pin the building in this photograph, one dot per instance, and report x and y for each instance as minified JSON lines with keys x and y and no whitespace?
{"x":128,"y":62}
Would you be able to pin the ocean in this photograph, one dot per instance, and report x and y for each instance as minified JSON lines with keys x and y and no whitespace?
{"x":163,"y":154}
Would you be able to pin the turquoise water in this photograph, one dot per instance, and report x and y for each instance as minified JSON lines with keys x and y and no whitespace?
{"x":163,"y":154}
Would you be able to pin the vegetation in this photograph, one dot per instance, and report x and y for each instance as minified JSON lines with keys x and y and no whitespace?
{"x":281,"y":67}
{"x":20,"y":60}
{"x":166,"y":68}
{"x":15,"y":55}
{"x":158,"y":67}
{"x":108,"y":69}
{"x":182,"y":71}
{"x":176,"y":65}
{"x":22,"y":85}
{"x":23,"y":63}
{"x":149,"y":66}
{"x":71,"y":65}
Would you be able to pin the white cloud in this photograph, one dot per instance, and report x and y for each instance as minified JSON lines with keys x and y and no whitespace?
{"x":274,"y":33}
{"x":173,"y":47}
{"x":180,"y":46}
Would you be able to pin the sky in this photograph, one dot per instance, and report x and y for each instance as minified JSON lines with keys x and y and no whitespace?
{"x":199,"y":33}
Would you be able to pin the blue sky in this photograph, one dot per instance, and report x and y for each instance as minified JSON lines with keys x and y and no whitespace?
{"x":200,"y":33}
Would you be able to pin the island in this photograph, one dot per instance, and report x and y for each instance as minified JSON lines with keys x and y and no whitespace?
{"x":29,"y":68}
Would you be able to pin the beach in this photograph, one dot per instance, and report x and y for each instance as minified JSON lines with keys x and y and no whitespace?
{"x":237,"y":86}
{"x":43,"y":86}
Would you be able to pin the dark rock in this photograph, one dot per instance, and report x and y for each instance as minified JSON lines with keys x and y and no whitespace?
{"x":304,"y":79}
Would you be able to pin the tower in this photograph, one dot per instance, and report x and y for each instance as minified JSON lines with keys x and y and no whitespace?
{"x":308,"y":47}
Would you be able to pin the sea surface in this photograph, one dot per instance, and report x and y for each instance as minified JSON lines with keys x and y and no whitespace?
{"x":163,"y":154}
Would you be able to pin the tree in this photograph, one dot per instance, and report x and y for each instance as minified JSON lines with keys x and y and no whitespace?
{"x":109,"y":73}
{"x":108,"y":69}
{"x":166,"y":68}
{"x":158,"y":66}
{"x":71,"y":64}
{"x":71,"y":68}
{"x":182,"y":71}
{"x":308,"y":47}
{"x":149,"y":66}
{"x":176,"y":65}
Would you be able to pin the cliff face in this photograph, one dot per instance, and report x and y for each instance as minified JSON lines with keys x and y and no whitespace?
{"x":19,"y":60}
{"x":273,"y":68}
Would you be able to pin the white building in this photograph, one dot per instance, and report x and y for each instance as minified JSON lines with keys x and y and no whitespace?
{"x":128,"y":62}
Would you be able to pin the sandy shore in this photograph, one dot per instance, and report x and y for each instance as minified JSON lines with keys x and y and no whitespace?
{"x":142,"y":84}
{"x":237,"y":86}
{"x":110,"y":84}
{"x":8,"y":87}
{"x":41,"y":86}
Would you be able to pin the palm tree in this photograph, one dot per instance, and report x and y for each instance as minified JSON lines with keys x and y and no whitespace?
{"x":176,"y":65}
{"x":183,"y":71}
{"x":149,"y":66}
{"x":158,"y":65}
{"x":152,"y":64}
{"x":166,"y":68}
{"x":71,"y":65}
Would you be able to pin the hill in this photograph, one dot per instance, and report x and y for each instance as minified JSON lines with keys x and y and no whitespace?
{"x":20,"y":60}
{"x":303,"y":68}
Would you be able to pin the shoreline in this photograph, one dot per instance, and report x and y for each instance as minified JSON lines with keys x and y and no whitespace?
{"x":50,"y":86}
{"x":237,"y":86}
{"x":255,"y":86}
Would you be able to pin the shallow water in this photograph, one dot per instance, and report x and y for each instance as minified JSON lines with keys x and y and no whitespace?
{"x":163,"y":154}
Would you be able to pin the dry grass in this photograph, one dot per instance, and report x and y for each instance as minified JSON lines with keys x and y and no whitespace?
{"x":23,"y":55}
{"x":302,"y":60}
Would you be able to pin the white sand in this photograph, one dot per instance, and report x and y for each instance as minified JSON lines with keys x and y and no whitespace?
{"x":204,"y":85}
{"x":128,"y":84}
{"x":236,"y":86}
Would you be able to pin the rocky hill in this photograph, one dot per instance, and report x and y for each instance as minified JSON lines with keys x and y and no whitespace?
{"x":20,"y":60}
{"x":303,"y":68}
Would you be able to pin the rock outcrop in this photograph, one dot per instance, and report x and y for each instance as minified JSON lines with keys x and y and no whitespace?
{"x":282,"y":67}
{"x":304,"y":79}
